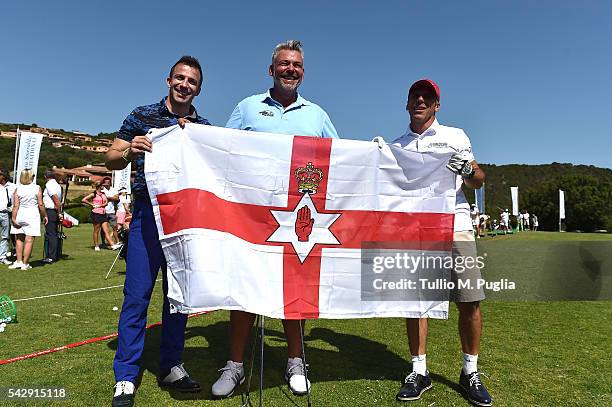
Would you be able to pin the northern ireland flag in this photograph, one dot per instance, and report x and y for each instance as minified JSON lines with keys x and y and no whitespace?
{"x":276,"y":225}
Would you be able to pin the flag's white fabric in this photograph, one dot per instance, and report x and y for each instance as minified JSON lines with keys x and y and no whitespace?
{"x":72,"y":219}
{"x":514,"y":191}
{"x":561,"y":204}
{"x":214,"y":269}
{"x":29,"y":151}
{"x":121,"y":179}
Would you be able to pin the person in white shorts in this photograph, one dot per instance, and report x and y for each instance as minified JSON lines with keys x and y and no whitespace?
{"x":426,"y":135}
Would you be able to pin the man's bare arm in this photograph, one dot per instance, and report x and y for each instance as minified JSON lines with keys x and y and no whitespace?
{"x":122,"y":152}
{"x":114,"y":156}
{"x":477,"y":179}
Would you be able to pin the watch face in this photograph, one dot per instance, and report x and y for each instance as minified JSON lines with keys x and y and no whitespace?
{"x":467,"y":170}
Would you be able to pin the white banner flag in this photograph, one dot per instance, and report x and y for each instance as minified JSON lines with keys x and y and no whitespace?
{"x":561,"y":204}
{"x":121,"y":178}
{"x":275,"y":224}
{"x":515,"y":201}
{"x":29,"y":151}
{"x":479,"y":198}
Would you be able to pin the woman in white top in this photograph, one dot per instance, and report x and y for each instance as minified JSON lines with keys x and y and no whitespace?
{"x":28,"y":208}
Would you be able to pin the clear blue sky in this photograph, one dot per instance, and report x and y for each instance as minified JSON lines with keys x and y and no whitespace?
{"x":529,"y":81}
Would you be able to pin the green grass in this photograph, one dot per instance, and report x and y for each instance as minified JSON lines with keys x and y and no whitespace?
{"x":535,"y":353}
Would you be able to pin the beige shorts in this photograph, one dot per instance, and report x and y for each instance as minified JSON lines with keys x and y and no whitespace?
{"x":464,"y":246}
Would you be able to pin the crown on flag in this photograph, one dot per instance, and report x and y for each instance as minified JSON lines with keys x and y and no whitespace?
{"x":308,"y":178}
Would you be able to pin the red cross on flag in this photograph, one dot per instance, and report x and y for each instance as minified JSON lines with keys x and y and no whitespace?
{"x":275,"y":224}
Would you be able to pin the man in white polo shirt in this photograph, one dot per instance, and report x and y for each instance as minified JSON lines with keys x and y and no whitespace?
{"x":426,"y":135}
{"x":52,"y":199}
{"x":504,"y":221}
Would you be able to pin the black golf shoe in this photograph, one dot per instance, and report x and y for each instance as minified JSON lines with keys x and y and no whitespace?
{"x":476,"y":392}
{"x":414,"y":385}
{"x":178,"y":379}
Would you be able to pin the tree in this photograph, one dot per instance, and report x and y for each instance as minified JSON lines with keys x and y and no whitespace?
{"x":588,"y":203}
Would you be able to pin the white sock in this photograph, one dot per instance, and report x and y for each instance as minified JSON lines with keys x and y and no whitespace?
{"x":419,"y":364}
{"x":470,"y":363}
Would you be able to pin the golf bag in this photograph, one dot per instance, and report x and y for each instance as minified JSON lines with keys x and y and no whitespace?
{"x":124,"y":235}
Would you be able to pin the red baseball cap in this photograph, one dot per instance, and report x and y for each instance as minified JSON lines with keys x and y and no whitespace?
{"x":426,"y":82}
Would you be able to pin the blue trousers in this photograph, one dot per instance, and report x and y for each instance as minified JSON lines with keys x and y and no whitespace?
{"x":144,"y":259}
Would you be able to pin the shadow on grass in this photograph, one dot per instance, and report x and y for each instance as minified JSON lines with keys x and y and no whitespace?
{"x":350,"y":358}
{"x":450,"y":383}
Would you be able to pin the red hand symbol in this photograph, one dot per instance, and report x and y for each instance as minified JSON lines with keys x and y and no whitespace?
{"x":303,"y":224}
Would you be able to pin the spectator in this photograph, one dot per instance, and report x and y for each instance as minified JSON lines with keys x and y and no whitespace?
{"x":98,"y":201}
{"x":475,"y":215}
{"x":504,"y":221}
{"x":52,"y":198}
{"x":5,"y":223}
{"x":28,"y":208}
{"x":485,"y":224}
{"x":112,"y":197}
{"x":534,"y":222}
{"x":123,"y":209}
{"x":10,"y":188}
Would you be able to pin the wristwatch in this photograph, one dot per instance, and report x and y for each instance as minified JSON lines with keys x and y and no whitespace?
{"x":125,"y":155}
{"x":468,"y":171}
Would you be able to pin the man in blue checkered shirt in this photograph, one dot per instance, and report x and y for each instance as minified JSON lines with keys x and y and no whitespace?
{"x":145,"y":255}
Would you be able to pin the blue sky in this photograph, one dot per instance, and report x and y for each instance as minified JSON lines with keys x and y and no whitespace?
{"x":529,"y":81}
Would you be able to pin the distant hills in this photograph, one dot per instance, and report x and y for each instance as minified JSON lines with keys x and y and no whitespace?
{"x":588,"y":188}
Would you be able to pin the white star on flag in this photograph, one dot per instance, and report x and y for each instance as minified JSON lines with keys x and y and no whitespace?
{"x":320,"y":229}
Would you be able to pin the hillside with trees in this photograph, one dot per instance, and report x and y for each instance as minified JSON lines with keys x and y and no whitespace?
{"x":588,"y":193}
{"x":49,"y":156}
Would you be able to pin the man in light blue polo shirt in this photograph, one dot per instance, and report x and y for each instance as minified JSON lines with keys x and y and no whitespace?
{"x":280,"y":110}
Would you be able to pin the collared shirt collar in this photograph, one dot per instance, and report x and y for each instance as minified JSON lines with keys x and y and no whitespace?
{"x":431,"y":130}
{"x":163,"y":110}
{"x":300,"y":101}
